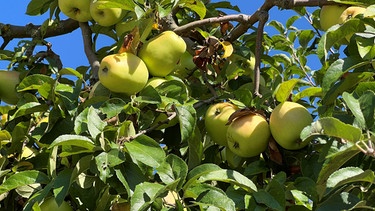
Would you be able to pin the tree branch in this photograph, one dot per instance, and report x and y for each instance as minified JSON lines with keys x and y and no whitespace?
{"x":9,"y":32}
{"x":90,"y":54}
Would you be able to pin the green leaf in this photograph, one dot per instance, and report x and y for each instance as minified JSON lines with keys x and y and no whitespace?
{"x":173,"y":170}
{"x":263,"y":197}
{"x":145,"y":194}
{"x":89,"y":121}
{"x":187,"y":118}
{"x":339,"y":201}
{"x":140,"y":148}
{"x":354,"y":106}
{"x":112,"y":107}
{"x":211,"y":196}
{"x":38,"y":7}
{"x":284,"y":90}
{"x":336,"y":70}
{"x":195,"y":149}
{"x":148,"y":95}
{"x":105,"y":162}
{"x":194,"y":5}
{"x":333,"y":163}
{"x":367,"y":102}
{"x":365,"y":44}
{"x":228,"y":176}
{"x":29,"y":108}
{"x":198,"y":171}
{"x":350,"y":175}
{"x":123,"y":4}
{"x":61,"y":185}
{"x":333,"y":127}
{"x":43,"y":83}
{"x":73,"y":140}
{"x":23,"y":178}
{"x":308,"y":92}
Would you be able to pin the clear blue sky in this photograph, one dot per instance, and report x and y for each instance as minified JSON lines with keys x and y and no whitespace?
{"x":70,"y":47}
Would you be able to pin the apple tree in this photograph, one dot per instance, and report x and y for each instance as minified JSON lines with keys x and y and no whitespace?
{"x":70,"y":140}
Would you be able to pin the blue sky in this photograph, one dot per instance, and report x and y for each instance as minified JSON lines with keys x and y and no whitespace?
{"x":70,"y":47}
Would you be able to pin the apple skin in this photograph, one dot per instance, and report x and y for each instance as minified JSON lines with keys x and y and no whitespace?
{"x":107,"y":16}
{"x":162,"y":53}
{"x":287,"y":121}
{"x":78,"y":10}
{"x":123,"y":73}
{"x":248,"y":135}
{"x":330,"y":15}
{"x":215,"y":121}
{"x":8,"y":82}
{"x":50,"y":204}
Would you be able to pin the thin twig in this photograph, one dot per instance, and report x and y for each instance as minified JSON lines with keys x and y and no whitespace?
{"x":90,"y":54}
{"x":263,"y":18}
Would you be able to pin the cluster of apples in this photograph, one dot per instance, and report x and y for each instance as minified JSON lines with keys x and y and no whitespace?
{"x":248,"y":135}
{"x":331,"y":15}
{"x":86,"y":10}
{"x":128,"y":73}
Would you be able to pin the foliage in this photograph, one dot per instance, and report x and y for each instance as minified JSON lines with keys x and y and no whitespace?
{"x":102,"y":150}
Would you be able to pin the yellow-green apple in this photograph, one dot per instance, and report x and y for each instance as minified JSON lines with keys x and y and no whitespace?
{"x":349,"y":13}
{"x":248,"y":135}
{"x":162,"y":53}
{"x":105,"y":16}
{"x":185,"y":65}
{"x":216,"y":119}
{"x":286,"y":123}
{"x":50,"y":204}
{"x":78,"y":10}
{"x":330,"y":15}
{"x":123,"y":73}
{"x":8,"y":82}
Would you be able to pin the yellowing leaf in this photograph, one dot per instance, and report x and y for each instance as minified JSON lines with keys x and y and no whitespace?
{"x":228,"y":49}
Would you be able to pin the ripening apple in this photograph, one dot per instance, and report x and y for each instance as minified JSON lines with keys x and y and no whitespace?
{"x":8,"y":83}
{"x":248,"y":135}
{"x":50,"y":204}
{"x":287,"y":121}
{"x":162,"y":53}
{"x":76,"y":10}
{"x":105,"y":16}
{"x":123,"y":73}
{"x":330,"y":15}
{"x":349,"y":13}
{"x":215,"y":121}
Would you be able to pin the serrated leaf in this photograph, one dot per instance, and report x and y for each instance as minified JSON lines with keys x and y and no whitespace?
{"x":331,"y":126}
{"x":308,"y":92}
{"x":211,"y":196}
{"x":194,"y":5}
{"x":112,"y":107}
{"x":29,"y":108}
{"x":23,"y":178}
{"x":348,"y":175}
{"x":339,"y":201}
{"x":367,"y":102}
{"x":140,"y":148}
{"x":284,"y":90}
{"x":263,"y":197}
{"x":61,"y":185}
{"x":148,"y":95}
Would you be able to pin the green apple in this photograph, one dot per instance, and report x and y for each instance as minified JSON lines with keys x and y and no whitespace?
{"x":123,"y":73}
{"x":8,"y":82}
{"x":215,"y":121}
{"x":105,"y":16}
{"x":162,"y":53}
{"x":50,"y":204}
{"x":286,"y":123}
{"x":349,"y":13}
{"x":248,"y":135}
{"x":330,"y":15}
{"x":78,"y":10}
